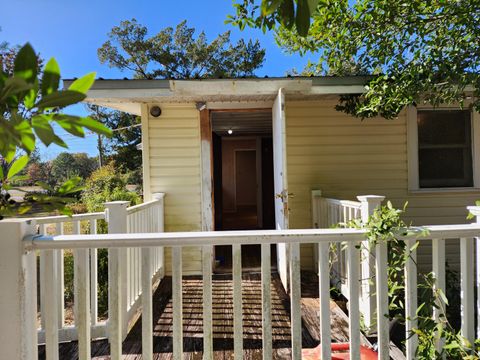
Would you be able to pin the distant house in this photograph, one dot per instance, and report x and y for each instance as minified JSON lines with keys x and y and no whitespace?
{"x":237,"y":153}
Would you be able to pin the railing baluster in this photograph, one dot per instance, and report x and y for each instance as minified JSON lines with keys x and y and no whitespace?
{"x":266,"y":303}
{"x":42,"y":283}
{"x":438,"y":269}
{"x":82,"y":301}
{"x":324,"y":297}
{"x":295,"y":301}
{"x":94,"y":277}
{"x":466,"y":289}
{"x":147,"y":307}
{"x":382,"y":301}
{"x":75,"y":230}
{"x":49,"y":279}
{"x":353,"y":257}
{"x":411,"y":299}
{"x":237,"y":302}
{"x":177,"y":302}
{"x":61,"y":281}
{"x":207,"y":253}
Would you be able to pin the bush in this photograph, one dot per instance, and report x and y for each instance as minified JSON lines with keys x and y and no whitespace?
{"x":106,"y":184}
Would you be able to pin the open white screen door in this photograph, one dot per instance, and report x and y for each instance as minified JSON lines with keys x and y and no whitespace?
{"x":280,"y":180}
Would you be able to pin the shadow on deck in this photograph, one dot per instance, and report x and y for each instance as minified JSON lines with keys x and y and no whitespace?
{"x":222,"y":320}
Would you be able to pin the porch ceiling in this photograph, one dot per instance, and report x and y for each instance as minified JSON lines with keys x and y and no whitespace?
{"x":242,"y":123}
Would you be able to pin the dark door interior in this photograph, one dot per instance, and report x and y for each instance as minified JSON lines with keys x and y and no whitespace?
{"x":242,"y":163}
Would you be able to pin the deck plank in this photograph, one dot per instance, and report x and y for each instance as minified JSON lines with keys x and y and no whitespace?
{"x":222,"y":312}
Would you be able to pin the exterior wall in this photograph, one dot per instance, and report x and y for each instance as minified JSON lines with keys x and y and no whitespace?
{"x":174,"y":167}
{"x":345,"y":157}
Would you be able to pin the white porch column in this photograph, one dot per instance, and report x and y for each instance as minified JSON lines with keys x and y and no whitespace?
{"x":368,"y":297}
{"x":117,"y":224}
{"x":18,"y":294}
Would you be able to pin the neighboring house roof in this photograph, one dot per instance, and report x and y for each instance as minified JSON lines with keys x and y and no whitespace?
{"x":128,"y":95}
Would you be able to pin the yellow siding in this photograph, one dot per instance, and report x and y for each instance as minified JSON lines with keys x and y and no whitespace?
{"x":175,"y":169}
{"x":345,"y":157}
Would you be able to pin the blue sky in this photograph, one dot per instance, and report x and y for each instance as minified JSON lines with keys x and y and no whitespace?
{"x":72,"y":31}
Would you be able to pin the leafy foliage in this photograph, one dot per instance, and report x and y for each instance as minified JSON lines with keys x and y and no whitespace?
{"x":178,"y":54}
{"x":386,"y":225}
{"x":417,"y":51}
{"x":287,"y":13}
{"x":30,"y":102}
{"x":67,"y":165}
{"x":122,"y":146}
{"x":106,"y":184}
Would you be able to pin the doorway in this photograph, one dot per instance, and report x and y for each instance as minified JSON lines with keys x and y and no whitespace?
{"x":243,"y":185}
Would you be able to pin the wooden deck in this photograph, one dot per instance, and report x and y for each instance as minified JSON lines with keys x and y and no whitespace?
{"x":223,"y":320}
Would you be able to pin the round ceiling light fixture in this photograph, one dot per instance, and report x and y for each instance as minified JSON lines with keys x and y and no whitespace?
{"x":155,"y":111}
{"x":230,"y":131}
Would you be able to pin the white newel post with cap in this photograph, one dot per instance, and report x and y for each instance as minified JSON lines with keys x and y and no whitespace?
{"x":116,"y":215}
{"x":368,"y":299}
{"x":18,"y":295}
{"x":475,"y":210}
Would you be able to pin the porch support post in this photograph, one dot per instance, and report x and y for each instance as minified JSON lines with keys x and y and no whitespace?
{"x":475,"y":210}
{"x":368,"y":287}
{"x":18,"y":298}
{"x":117,"y":319}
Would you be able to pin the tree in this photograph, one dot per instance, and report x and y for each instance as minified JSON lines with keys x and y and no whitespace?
{"x":30,"y":102}
{"x":178,"y":54}
{"x":122,"y":146}
{"x":168,"y":54}
{"x":417,"y":51}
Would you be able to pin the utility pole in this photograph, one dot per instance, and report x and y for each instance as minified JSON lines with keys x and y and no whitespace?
{"x":100,"y":150}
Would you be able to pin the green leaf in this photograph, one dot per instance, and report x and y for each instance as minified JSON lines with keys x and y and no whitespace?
{"x":269,"y":6}
{"x":1,"y":173}
{"x":60,"y":99}
{"x":71,"y":127}
{"x":70,"y":186}
{"x":83,"y":84}
{"x":13,"y":86}
{"x":287,"y":13}
{"x":43,"y":129}
{"x":31,"y":96}
{"x":302,"y":20}
{"x":26,"y":64}
{"x":312,"y":6}
{"x":17,"y":166}
{"x":51,"y":77}
{"x":27,"y":139}
{"x":95,"y":126}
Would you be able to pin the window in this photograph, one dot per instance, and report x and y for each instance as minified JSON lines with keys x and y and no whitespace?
{"x":441,"y":149}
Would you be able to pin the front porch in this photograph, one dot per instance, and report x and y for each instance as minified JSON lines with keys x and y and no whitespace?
{"x":242,"y":314}
{"x":222,"y":312}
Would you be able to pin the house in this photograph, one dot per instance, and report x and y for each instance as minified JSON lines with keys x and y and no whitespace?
{"x":267,"y":155}
{"x":236,"y":153}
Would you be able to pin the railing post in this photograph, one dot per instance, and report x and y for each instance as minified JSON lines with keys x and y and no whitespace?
{"x":368,"y":298}
{"x":117,"y":224}
{"x":475,"y":210}
{"x":18,"y":298}
{"x":160,"y":227}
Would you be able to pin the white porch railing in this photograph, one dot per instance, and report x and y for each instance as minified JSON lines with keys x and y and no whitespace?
{"x":18,"y":274}
{"x":327,"y":212}
{"x":143,"y":218}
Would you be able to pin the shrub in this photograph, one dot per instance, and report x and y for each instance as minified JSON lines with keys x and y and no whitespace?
{"x":106,"y":184}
